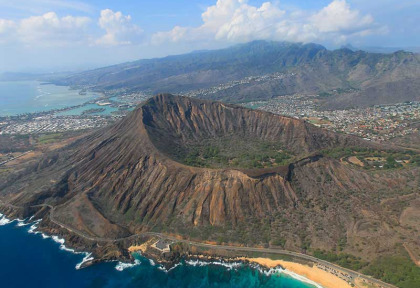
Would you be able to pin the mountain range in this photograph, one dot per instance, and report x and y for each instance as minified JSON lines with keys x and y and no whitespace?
{"x":344,"y":78}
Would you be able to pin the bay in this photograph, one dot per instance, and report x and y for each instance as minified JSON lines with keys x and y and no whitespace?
{"x":20,"y":97}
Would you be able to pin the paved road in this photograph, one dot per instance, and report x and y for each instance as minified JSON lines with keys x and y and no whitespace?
{"x":352,"y":273}
{"x":14,"y":158}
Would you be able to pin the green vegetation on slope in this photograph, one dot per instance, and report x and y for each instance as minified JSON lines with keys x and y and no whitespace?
{"x":343,"y":259}
{"x":394,"y":269}
{"x":374,"y":159}
{"x":398,"y":270}
{"x":235,"y":152}
{"x":49,"y":138}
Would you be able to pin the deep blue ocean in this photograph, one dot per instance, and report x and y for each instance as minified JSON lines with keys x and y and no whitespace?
{"x":29,"y":260}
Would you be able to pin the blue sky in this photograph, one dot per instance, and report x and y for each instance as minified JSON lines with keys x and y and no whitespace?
{"x":54,"y":35}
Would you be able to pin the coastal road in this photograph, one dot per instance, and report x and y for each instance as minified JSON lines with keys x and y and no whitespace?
{"x":352,"y":273}
{"x":14,"y":158}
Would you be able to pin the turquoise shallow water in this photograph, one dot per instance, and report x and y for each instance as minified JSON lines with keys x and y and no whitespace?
{"x":18,"y":97}
{"x":79,"y":110}
{"x":28,"y":260}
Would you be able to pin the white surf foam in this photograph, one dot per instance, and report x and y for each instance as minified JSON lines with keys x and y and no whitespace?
{"x":228,"y":265}
{"x":268,"y":272}
{"x":279,"y":270}
{"x":33,"y":227}
{"x":172,"y":268}
{"x":63,"y":247}
{"x":45,"y":236}
{"x":4,"y":220}
{"x":160,"y":267}
{"x":301,"y":278}
{"x":87,"y":258}
{"x":32,"y":230}
{"x":58,"y":239}
{"x":121,"y":265}
{"x":22,"y":223}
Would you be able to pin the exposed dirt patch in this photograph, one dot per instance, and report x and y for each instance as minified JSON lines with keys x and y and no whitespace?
{"x":354,"y":160}
{"x":413,"y":249}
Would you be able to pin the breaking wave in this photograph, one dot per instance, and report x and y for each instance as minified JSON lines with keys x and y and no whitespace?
{"x":228,"y":265}
{"x":88,"y":257}
{"x":33,"y":230}
{"x":4,"y":220}
{"x":262,"y":270}
{"x":121,"y":266}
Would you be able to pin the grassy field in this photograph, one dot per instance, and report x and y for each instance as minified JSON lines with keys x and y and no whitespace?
{"x":375,"y":159}
{"x":234,"y":152}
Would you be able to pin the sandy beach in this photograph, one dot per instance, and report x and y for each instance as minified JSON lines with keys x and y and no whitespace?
{"x":323,"y":278}
{"x":314,"y":273}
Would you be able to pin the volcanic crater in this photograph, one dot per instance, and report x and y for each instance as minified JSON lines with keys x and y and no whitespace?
{"x":215,"y":135}
{"x":208,"y":171}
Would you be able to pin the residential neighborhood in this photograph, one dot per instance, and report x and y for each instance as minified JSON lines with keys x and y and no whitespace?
{"x":377,"y":123}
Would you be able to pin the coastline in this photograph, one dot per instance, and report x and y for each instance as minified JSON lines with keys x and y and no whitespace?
{"x":51,"y":107}
{"x":309,"y":272}
{"x":315,"y":274}
{"x":261,"y":267}
{"x":120,"y":266}
{"x":33,"y":226}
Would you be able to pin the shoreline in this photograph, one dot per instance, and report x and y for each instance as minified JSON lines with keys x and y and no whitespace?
{"x":314,"y":274}
{"x":262,"y":263}
{"x":238,"y":262}
{"x":86,"y":261}
{"x":263,"y":269}
{"x":311,"y":272}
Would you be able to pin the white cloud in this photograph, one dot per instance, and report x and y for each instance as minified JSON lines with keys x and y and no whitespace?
{"x":248,"y":22}
{"x":49,"y":29}
{"x":176,"y":34}
{"x":232,"y":20}
{"x":238,"y":21}
{"x":44,"y":30}
{"x":119,"y":29}
{"x":338,"y":17}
